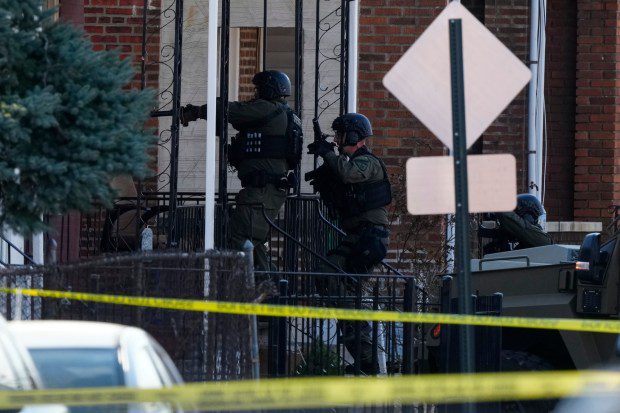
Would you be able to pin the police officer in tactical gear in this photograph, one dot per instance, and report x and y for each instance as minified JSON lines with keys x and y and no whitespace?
{"x":354,"y":185}
{"x":268,"y":145}
{"x":520,"y":229}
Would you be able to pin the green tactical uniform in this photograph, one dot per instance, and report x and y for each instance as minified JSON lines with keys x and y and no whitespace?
{"x":513,"y":229}
{"x":362,"y":168}
{"x":268,"y":144}
{"x":247,"y":221}
{"x":528,"y":235}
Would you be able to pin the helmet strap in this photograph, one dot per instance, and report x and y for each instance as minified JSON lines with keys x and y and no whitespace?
{"x":355,"y":146}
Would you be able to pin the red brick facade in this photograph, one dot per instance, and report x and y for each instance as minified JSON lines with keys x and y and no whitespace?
{"x":387,"y":29}
{"x":582,"y":85}
{"x":117,"y":24}
{"x":581,"y":92}
{"x":72,"y":11}
{"x":560,"y":100}
{"x":248,"y":61}
{"x":597,"y":119}
{"x":508,"y":20}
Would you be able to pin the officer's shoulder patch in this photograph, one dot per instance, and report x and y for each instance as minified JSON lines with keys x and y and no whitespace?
{"x":362,"y":162}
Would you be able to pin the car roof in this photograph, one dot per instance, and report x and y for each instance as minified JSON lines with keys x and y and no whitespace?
{"x":71,"y":334}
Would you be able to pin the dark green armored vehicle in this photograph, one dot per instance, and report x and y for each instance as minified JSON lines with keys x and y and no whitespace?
{"x":555,"y":281}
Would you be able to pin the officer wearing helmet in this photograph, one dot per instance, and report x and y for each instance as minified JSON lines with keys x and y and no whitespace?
{"x":522,"y":228}
{"x":268,"y":145}
{"x":355,"y":185}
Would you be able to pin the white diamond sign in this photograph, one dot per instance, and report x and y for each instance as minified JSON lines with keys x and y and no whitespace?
{"x":493,"y":76}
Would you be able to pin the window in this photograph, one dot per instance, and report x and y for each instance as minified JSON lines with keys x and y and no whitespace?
{"x":83,"y":367}
{"x":280,"y":54}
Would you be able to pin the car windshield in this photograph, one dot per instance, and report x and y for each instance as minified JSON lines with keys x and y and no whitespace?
{"x":70,"y":367}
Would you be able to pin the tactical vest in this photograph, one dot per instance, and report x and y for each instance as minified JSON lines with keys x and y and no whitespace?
{"x":365,"y":196}
{"x":251,"y":144}
{"x":350,"y":200}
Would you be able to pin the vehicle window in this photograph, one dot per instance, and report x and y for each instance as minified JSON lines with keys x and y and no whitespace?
{"x":147,"y":375}
{"x":68,"y":367}
{"x":606,"y":250}
{"x":161,"y":371}
{"x":9,"y":379}
{"x":171,"y":371}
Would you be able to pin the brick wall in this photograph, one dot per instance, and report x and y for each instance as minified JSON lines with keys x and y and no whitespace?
{"x":560,"y":84}
{"x":597,"y":122}
{"x":387,"y":30}
{"x":508,"y":21}
{"x":71,"y":11}
{"x":248,"y":61}
{"x":117,"y":24}
{"x":581,"y":91}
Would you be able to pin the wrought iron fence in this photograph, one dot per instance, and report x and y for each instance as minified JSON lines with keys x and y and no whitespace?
{"x":119,"y":229}
{"x":204,"y":348}
{"x":297,"y":246}
{"x":218,"y":347}
{"x":331,"y":347}
{"x":488,"y":342}
{"x":298,"y":235}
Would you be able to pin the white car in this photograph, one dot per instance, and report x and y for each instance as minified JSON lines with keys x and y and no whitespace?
{"x":17,"y":370}
{"x":73,"y":354}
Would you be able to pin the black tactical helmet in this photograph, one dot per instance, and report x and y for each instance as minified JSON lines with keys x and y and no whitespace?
{"x":529,"y":208}
{"x":272,"y":84}
{"x":355,"y":126}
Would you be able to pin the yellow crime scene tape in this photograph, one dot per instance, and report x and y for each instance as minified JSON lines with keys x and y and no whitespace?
{"x":270,"y":310}
{"x":337,"y":392}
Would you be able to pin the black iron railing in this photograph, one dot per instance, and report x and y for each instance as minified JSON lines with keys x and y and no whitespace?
{"x":184,"y":334}
{"x":298,"y":243}
{"x":219,"y":346}
{"x":11,"y":254}
{"x":320,"y":347}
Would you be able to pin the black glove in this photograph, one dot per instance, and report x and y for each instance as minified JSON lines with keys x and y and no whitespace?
{"x":320,"y":148}
{"x":189,"y":113}
{"x":311,"y":175}
{"x":293,"y":180}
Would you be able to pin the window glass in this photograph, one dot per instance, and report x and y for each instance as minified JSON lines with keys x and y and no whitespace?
{"x":171,"y":369}
{"x":161,"y":371}
{"x":606,"y":250}
{"x":608,"y":247}
{"x":8,"y":377}
{"x":69,"y":367}
{"x":147,"y":375}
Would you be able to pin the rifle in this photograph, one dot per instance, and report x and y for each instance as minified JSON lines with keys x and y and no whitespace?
{"x":318,"y":136}
{"x":318,"y":133}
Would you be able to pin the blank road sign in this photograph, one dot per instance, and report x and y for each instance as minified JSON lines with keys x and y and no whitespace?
{"x":492,"y":184}
{"x":493,"y":76}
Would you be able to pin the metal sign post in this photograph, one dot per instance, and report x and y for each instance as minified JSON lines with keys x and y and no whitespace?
{"x":462,"y":254}
{"x":429,"y":80}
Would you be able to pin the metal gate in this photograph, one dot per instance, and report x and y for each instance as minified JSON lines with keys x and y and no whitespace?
{"x":326,"y":20}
